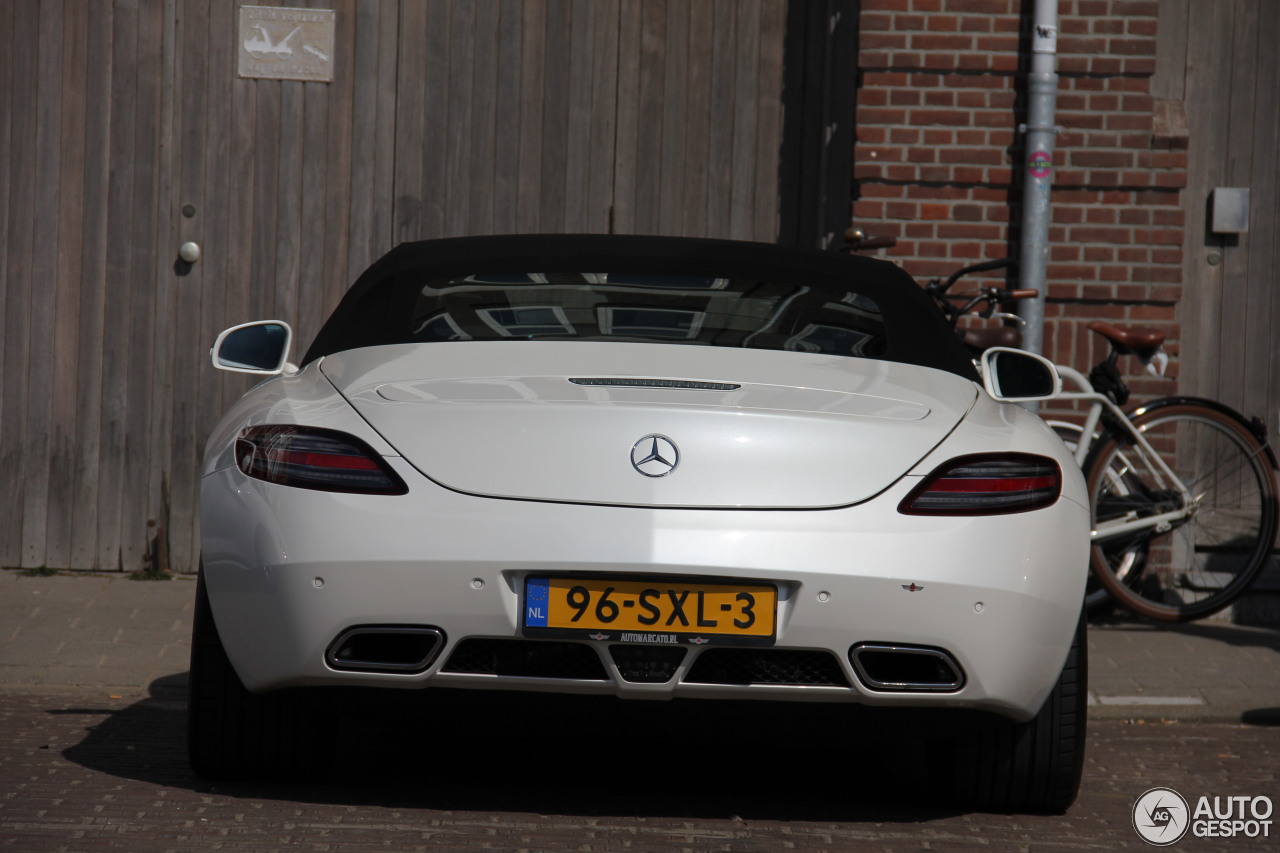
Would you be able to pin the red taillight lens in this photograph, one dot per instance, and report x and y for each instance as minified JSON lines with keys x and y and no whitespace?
{"x":311,"y":458}
{"x":988,"y":484}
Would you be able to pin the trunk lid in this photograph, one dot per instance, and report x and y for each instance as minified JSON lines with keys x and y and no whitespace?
{"x":650,"y":424}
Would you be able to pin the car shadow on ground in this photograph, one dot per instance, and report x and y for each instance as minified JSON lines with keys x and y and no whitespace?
{"x":590,"y":756}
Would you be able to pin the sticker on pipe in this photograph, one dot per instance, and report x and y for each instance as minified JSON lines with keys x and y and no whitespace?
{"x":1040,"y":164}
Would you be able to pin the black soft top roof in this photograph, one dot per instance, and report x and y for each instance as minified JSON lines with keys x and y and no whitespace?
{"x":377,"y":308}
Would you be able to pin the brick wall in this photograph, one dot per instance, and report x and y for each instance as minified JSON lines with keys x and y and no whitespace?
{"x":939,"y":160}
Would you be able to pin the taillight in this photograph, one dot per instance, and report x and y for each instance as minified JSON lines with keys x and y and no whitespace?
{"x":987,"y":484}
{"x":312,"y":458}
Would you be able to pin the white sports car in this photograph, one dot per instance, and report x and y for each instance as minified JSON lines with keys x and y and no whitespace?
{"x":652,"y":468}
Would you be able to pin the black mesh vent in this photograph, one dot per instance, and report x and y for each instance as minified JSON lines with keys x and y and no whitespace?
{"x":767,"y":666}
{"x":647,"y":664}
{"x":529,"y":658}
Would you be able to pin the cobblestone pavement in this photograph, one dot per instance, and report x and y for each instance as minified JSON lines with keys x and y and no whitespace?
{"x":84,"y":770}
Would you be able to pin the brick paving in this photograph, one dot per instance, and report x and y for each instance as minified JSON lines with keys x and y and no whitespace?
{"x":79,"y":629}
{"x":92,"y":758}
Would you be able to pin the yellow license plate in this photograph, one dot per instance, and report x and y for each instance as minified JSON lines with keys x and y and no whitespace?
{"x":651,"y":610}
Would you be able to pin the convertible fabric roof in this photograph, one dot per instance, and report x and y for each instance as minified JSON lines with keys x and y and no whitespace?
{"x":374,"y":311}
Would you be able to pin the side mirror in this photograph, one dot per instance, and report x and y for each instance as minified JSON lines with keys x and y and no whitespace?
{"x":260,"y":347}
{"x":1017,"y":376}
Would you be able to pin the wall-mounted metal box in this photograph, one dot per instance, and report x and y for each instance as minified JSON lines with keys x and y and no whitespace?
{"x":1229,"y":212}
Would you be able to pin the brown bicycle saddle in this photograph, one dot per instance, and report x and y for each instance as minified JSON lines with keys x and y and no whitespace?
{"x":1129,"y":340}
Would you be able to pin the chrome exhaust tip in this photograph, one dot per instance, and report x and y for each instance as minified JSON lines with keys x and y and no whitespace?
{"x":894,"y":668}
{"x":385,"y":648}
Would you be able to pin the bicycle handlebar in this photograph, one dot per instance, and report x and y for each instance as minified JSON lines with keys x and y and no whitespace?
{"x":983,"y":296}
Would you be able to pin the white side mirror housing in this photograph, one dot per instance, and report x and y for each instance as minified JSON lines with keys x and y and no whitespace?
{"x":260,"y":347}
{"x":1017,"y":376}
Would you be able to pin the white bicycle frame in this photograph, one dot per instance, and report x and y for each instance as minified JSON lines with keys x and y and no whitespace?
{"x":1168,"y":479}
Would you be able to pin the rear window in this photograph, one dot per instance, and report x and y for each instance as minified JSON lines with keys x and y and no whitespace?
{"x":652,"y":308}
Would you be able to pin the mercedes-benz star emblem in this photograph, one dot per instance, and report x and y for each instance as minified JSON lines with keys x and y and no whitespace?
{"x":655,"y":455}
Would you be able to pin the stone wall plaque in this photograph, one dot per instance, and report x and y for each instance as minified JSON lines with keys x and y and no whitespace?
{"x":278,"y":43}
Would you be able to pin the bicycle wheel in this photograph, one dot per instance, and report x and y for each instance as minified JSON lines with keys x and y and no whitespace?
{"x":1201,"y":560}
{"x":1126,"y":558}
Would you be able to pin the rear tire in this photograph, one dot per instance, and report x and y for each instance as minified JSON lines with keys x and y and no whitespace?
{"x":1000,"y":765}
{"x":232,"y":733}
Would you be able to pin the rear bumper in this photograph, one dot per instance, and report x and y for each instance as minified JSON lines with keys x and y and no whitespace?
{"x":288,"y":571}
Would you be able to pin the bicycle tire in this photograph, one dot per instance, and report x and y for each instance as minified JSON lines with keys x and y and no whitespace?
{"x":1206,"y":560}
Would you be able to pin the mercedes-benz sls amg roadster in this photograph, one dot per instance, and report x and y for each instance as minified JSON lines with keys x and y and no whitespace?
{"x":645,"y":467}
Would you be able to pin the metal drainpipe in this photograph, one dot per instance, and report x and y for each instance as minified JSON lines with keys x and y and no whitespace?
{"x":1040,"y":131}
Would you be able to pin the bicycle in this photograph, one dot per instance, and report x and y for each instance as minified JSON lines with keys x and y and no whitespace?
{"x":1182,"y":490}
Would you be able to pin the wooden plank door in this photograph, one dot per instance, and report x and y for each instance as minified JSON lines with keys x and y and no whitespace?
{"x":80,"y":128}
{"x":1230,"y":313}
{"x":625,"y":116}
{"x":1220,"y":60}
{"x":286,"y":187}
